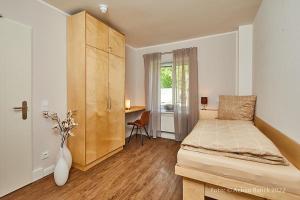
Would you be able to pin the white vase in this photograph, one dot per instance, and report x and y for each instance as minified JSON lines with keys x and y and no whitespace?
{"x":67,"y":155}
{"x":61,"y":171}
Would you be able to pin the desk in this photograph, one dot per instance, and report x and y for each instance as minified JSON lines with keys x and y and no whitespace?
{"x":135,"y":109}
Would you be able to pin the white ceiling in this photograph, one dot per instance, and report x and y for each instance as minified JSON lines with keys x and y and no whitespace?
{"x":151,"y":22}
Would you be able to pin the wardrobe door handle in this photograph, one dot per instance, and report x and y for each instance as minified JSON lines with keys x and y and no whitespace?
{"x":109,"y":103}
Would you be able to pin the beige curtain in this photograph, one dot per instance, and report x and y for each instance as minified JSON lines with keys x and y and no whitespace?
{"x":185,"y":91}
{"x":152,"y":91}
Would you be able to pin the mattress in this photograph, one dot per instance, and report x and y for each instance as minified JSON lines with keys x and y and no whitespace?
{"x":285,"y":178}
{"x":233,"y":138}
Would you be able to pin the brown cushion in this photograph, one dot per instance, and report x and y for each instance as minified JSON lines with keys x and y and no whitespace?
{"x":236,"y":107}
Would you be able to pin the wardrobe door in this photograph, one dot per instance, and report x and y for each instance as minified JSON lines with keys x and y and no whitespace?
{"x":116,"y":119}
{"x":96,"y":104}
{"x":116,"y":43}
{"x":96,"y":33}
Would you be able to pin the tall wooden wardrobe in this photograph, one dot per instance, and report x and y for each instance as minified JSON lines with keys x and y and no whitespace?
{"x":96,"y":84}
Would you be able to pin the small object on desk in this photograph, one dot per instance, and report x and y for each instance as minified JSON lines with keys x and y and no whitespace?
{"x":135,"y":109}
{"x":204,"y":102}
{"x":127,"y":104}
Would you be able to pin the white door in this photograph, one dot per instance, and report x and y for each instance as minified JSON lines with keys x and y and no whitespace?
{"x":15,"y":88}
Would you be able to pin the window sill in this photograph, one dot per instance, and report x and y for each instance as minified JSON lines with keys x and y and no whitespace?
{"x":167,"y":112}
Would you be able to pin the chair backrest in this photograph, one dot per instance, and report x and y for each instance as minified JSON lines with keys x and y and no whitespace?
{"x":144,"y":120}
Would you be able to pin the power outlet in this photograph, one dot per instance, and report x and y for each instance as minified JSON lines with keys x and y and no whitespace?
{"x":44,"y":155}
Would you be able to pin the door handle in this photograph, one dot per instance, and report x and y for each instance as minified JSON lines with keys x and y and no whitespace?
{"x":24,"y":109}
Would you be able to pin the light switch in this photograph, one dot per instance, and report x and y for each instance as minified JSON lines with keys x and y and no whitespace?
{"x":44,"y":105}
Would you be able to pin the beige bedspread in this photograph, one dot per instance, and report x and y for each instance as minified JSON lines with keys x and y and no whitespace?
{"x":233,"y":138}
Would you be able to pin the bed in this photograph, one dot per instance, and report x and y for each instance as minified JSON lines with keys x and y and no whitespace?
{"x":232,"y":159}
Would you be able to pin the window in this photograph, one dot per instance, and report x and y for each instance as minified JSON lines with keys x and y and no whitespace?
{"x":166,"y":87}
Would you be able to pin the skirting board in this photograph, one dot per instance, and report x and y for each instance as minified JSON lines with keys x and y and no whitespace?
{"x":167,"y":135}
{"x":288,"y":147}
{"x":42,"y":172}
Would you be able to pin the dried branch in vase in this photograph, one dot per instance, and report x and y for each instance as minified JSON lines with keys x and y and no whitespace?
{"x":64,"y":127}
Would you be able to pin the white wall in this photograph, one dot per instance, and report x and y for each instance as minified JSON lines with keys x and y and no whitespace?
{"x":276,"y":62}
{"x":48,"y":69}
{"x":130,"y":84}
{"x":245,"y":60}
{"x":130,"y":79}
{"x":216,"y":61}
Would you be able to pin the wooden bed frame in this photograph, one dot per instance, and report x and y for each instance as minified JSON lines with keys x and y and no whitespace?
{"x":197,"y":184}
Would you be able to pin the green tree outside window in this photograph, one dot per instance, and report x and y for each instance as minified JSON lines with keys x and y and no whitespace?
{"x":166,"y":77}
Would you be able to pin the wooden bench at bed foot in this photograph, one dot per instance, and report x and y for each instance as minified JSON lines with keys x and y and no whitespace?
{"x":196,"y":190}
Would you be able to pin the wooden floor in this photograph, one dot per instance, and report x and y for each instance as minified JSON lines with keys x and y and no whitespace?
{"x":137,"y":172}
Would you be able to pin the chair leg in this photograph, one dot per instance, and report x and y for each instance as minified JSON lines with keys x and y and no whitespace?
{"x":147,"y":132}
{"x":136,"y":132}
{"x":141,"y":136}
{"x":131,"y":133}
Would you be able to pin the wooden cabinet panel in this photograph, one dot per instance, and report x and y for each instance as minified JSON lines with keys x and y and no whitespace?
{"x":76,"y":83}
{"x":96,"y":103}
{"x":116,"y":118}
{"x":96,"y":33}
{"x":116,"y":43}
